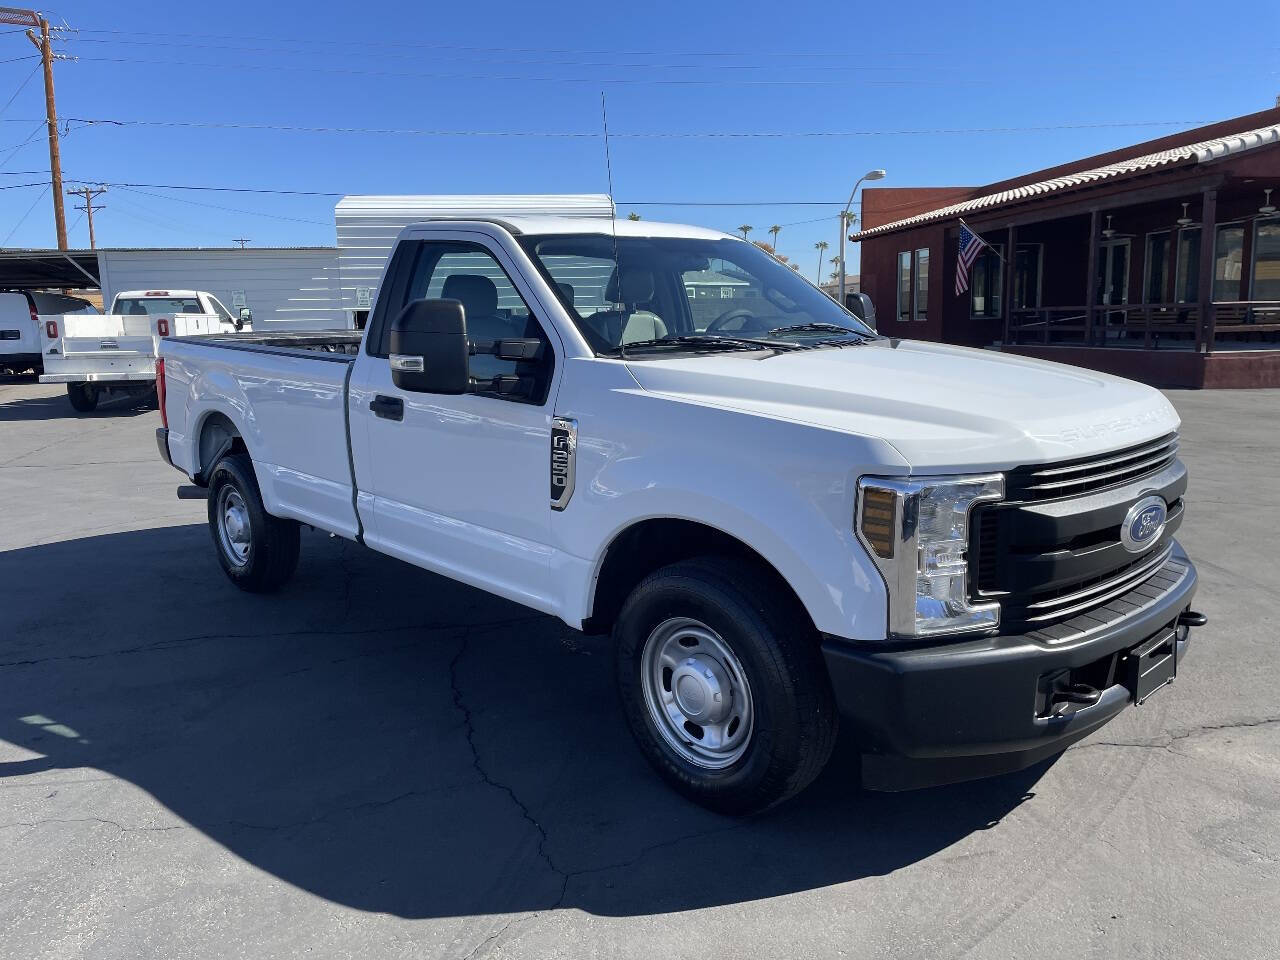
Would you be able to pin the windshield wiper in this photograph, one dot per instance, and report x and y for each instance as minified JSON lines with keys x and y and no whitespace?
{"x":816,"y":327}
{"x":709,"y":340}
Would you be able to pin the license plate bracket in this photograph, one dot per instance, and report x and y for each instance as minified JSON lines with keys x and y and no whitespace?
{"x":1152,"y":665}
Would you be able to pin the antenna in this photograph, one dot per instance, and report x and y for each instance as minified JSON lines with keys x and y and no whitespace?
{"x":613,"y":221}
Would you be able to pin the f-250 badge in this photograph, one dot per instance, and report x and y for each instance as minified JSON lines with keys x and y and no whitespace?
{"x":564,"y":456}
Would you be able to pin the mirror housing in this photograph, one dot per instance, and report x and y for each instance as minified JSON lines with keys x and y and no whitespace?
{"x":246,"y":315}
{"x":860,"y":305}
{"x":429,"y":348}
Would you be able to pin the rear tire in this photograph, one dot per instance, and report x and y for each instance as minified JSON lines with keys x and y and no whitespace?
{"x":83,"y":397}
{"x":258,"y":552}
{"x":717,"y":640}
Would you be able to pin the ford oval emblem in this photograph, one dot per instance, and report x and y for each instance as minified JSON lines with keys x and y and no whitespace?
{"x":1143,"y":524}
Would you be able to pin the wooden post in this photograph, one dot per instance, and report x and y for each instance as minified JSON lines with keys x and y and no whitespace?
{"x":51,"y":118}
{"x":1091,"y":281}
{"x":1010,"y":259}
{"x":1208,"y":240}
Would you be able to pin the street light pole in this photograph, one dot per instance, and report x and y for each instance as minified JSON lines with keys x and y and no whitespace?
{"x":845,"y":221}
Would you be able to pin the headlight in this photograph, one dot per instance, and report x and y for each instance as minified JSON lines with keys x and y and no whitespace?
{"x":917,"y":529}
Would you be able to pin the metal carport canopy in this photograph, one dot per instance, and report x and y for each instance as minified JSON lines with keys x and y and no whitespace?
{"x":38,"y":269}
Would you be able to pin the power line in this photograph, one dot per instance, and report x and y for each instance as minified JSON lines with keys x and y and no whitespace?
{"x":381,"y":44}
{"x":139,"y":188}
{"x":9,"y":102}
{"x":659,"y":81}
{"x":275,"y":51}
{"x":637,"y":135}
{"x":214,"y":206}
{"x":29,"y":56}
{"x":23,"y":218}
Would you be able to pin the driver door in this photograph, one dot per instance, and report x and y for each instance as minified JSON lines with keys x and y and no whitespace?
{"x":459,"y":484}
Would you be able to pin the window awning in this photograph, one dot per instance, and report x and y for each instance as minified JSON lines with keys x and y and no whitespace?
{"x":1206,"y":151}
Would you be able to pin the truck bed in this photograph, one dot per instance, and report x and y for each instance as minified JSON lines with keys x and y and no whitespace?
{"x":294,"y":388}
{"x":340,"y":343}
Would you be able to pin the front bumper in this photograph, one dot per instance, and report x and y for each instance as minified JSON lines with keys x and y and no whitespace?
{"x":957,"y":711}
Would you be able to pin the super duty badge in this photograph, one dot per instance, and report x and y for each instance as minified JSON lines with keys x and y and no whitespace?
{"x":564,"y":456}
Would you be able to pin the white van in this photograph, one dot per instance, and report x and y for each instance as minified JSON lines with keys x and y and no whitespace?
{"x":20,"y":313}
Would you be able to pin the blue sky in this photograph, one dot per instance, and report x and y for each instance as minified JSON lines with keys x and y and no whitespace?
{"x":1096,"y":70}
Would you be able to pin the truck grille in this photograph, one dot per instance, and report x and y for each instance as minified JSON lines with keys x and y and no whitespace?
{"x":1051,"y":550}
{"x":1075,"y":477}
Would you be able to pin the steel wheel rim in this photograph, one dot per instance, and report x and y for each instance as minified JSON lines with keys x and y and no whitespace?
{"x":235,"y":534}
{"x":697,"y":693}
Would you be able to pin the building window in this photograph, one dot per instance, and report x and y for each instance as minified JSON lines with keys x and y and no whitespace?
{"x":921,"y":307}
{"x":1155,"y":283}
{"x":1228,"y":262}
{"x":1187,"y":286}
{"x":904,"y":286}
{"x":986,"y":282}
{"x":1266,"y":260}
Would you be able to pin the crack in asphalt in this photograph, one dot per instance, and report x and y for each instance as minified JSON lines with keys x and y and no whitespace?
{"x":566,"y":876}
{"x":469,"y":731}
{"x":103,"y":820}
{"x":1167,"y":742}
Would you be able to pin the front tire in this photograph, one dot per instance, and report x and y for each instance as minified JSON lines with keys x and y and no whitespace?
{"x":83,"y":397}
{"x":258,"y":552}
{"x":723,"y":685}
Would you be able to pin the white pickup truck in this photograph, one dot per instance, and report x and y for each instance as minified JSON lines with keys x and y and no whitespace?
{"x":788,"y":523}
{"x":116,"y":352}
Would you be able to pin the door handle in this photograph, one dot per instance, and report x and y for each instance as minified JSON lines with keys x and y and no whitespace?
{"x":388,"y":408}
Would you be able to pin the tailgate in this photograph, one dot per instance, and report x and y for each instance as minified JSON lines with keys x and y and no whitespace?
{"x":110,"y":334}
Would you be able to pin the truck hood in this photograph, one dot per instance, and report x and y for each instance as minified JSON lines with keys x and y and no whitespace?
{"x":943,"y":408}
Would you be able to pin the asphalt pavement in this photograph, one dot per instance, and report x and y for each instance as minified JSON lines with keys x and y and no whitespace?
{"x":379,"y":762}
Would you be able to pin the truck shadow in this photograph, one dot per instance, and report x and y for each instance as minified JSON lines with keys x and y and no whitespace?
{"x":395,"y":742}
{"x":58,"y":407}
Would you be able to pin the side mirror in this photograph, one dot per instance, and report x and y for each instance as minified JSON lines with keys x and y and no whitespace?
{"x":246,"y":315}
{"x":860,"y":305}
{"x":429,"y":347}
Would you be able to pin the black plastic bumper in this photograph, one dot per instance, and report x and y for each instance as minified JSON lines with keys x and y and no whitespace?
{"x":162,"y":441}
{"x":957,"y":711}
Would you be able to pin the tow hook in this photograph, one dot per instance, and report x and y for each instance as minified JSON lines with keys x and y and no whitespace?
{"x":1078,"y":694}
{"x":1190,"y":618}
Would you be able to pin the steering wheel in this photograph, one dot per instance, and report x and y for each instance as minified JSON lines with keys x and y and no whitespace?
{"x":719,"y":322}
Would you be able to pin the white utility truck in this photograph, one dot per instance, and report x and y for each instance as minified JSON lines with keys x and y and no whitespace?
{"x":21,"y":314}
{"x":788,"y":523}
{"x":116,"y":352}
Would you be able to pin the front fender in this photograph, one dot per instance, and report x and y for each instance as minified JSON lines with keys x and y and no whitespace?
{"x":786,"y":490}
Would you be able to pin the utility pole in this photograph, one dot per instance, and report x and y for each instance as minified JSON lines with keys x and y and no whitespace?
{"x":30,"y":18}
{"x":241,"y":241}
{"x":90,"y":194}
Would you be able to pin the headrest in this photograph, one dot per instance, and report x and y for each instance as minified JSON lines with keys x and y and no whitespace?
{"x":566,"y":291}
{"x":478,"y":294}
{"x":636,"y":285}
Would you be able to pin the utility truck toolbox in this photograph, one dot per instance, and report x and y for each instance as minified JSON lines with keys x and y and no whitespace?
{"x":116,"y":353}
{"x":789,"y":525}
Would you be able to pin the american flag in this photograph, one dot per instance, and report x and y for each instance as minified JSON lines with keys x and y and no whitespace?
{"x":970,"y":246}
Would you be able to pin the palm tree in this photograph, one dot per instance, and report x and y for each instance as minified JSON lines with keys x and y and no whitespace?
{"x":633,"y":215}
{"x":821,"y":247}
{"x":745,"y":229}
{"x":775,"y":230}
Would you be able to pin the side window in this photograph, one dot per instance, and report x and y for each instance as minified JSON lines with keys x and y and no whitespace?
{"x":495,"y":310}
{"x":219,"y":309}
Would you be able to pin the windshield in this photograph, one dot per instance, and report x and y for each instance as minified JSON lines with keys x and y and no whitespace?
{"x":685,"y":291}
{"x":156,"y":306}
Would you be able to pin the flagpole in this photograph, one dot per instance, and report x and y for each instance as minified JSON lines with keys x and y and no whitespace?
{"x":979,"y":236}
